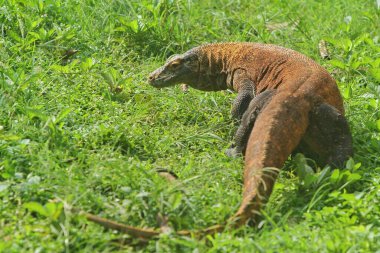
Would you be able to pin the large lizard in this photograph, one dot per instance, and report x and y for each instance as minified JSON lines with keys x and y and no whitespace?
{"x":286,"y":102}
{"x":266,"y":72}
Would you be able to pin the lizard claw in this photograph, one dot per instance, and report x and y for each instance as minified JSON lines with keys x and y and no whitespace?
{"x":233,"y":152}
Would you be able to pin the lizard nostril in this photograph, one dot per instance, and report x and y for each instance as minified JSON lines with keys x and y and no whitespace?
{"x":151,"y":77}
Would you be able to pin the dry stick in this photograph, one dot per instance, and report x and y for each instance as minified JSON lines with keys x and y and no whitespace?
{"x":146,"y":233}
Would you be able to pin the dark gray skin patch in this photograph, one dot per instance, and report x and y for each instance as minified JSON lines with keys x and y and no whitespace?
{"x":331,"y":136}
{"x":245,"y":91}
{"x":248,"y":120}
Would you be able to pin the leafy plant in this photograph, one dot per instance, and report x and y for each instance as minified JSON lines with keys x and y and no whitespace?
{"x":80,"y":125}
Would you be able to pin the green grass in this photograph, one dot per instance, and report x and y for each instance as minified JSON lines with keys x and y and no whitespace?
{"x":90,"y":132}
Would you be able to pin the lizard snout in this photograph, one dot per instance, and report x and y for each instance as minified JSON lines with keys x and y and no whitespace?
{"x":151,"y":77}
{"x":154,"y":75}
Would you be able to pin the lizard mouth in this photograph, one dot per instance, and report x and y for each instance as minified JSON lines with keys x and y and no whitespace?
{"x":161,"y":82}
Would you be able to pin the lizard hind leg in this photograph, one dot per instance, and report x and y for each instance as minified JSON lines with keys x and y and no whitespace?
{"x":329,"y":136}
{"x":277,"y":131}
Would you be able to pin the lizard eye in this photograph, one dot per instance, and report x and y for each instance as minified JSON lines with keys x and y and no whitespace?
{"x":175,"y":65}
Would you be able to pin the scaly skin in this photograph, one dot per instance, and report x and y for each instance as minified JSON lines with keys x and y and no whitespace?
{"x":286,"y":101}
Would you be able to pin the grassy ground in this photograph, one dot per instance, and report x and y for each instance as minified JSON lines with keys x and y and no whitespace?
{"x":87,"y":130}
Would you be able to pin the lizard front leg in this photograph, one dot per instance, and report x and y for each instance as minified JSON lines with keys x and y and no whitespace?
{"x":245,"y":88}
{"x":248,"y":120}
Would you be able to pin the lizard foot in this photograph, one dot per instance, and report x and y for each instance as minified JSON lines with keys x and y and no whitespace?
{"x":233,"y":152}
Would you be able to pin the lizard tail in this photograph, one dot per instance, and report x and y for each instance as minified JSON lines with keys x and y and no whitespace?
{"x":277,"y":131}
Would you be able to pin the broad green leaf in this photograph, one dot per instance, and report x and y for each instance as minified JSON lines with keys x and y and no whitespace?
{"x":62,"y":115}
{"x":304,"y":172}
{"x":323,"y":174}
{"x":375,"y":63}
{"x":354,"y":177}
{"x":54,"y":209}
{"x":355,"y":64}
{"x":50,"y":208}
{"x":35,"y":113}
{"x":14,"y":36}
{"x":108,"y":78}
{"x":9,"y":137}
{"x":119,"y":29}
{"x":348,"y":196}
{"x":35,"y":35}
{"x":134,"y":25}
{"x":359,"y":40}
{"x":139,"y":97}
{"x":357,"y":166}
{"x":332,"y":41}
{"x":35,"y":22}
{"x":347,"y":92}
{"x":334,"y":194}
{"x":346,"y":44}
{"x":375,"y":73}
{"x":41,"y":5}
{"x":43,"y":34}
{"x":111,"y":77}
{"x":337,"y":63}
{"x":350,"y":164}
{"x":175,"y":200}
{"x":309,"y":180}
{"x":374,"y":103}
{"x":334,"y":176}
{"x":61,"y":69}
{"x":36,"y":207}
{"x":87,"y":64}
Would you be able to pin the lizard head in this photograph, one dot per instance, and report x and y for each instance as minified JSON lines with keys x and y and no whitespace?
{"x":182,"y":68}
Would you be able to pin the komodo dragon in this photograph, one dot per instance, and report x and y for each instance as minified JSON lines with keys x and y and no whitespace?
{"x":285,"y":98}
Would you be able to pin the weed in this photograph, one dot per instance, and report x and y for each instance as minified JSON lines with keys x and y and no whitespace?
{"x":79,"y":125}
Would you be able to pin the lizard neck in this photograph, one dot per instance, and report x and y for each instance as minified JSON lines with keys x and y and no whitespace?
{"x":212,"y":71}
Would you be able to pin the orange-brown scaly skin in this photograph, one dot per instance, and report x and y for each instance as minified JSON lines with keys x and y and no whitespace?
{"x":285,"y":100}
{"x":251,"y":66}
